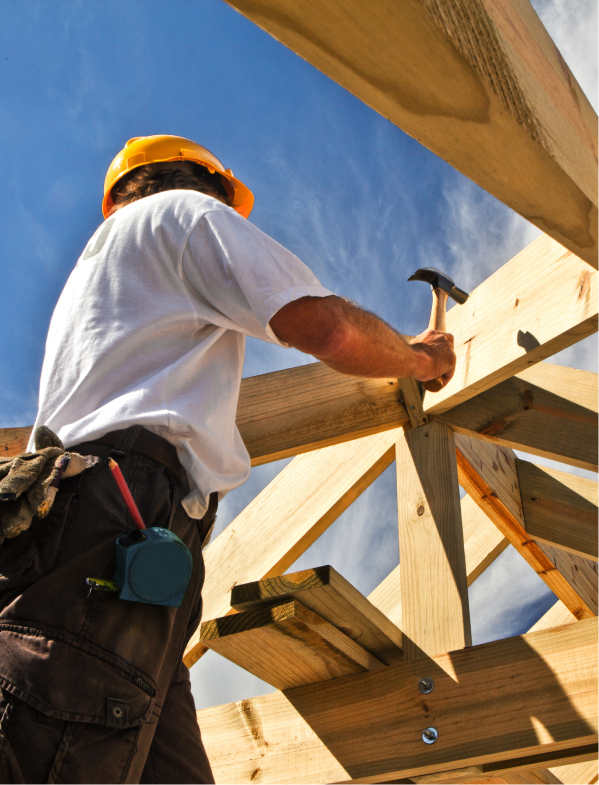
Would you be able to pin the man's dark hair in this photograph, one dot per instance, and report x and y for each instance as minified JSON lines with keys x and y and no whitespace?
{"x":166,"y":176}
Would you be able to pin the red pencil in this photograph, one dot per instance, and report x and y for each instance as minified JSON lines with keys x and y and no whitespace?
{"x":126,"y":493}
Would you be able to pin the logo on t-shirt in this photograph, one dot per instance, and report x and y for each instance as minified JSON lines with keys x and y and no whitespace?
{"x":98,"y":240}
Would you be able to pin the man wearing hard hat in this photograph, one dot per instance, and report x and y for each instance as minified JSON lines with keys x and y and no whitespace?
{"x":142,"y":372}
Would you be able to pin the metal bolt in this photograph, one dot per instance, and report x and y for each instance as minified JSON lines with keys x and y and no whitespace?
{"x":426,"y":685}
{"x":429,"y":735}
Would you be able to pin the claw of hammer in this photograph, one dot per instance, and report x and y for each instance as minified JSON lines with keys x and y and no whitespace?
{"x":443,"y":287}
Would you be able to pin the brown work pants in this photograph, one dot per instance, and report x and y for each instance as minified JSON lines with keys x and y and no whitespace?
{"x":93,"y":688}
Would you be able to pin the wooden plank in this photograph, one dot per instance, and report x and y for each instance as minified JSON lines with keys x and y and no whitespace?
{"x":556,"y":616}
{"x":540,"y":302}
{"x":287,"y":517}
{"x":287,"y":645}
{"x":577,"y":773}
{"x":482,"y":86}
{"x":410,"y":391}
{"x":434,"y":589}
{"x":506,"y":701}
{"x":488,"y":473}
{"x":303,"y":409}
{"x":325,"y":592}
{"x":13,"y":441}
{"x":548,"y":410}
{"x":483,"y":543}
{"x":506,"y":770}
{"x":516,"y":318}
{"x":559,"y":508}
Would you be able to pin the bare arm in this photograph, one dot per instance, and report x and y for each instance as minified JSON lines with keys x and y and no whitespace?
{"x":356,"y":342}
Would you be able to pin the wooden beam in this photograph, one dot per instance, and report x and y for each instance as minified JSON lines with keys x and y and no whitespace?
{"x":286,"y":518}
{"x":434,"y":589}
{"x":483,"y":543}
{"x":516,"y":318}
{"x":579,"y":773}
{"x":532,"y":695}
{"x":325,"y":592}
{"x":302,"y":409}
{"x":556,"y":616}
{"x":287,"y":645}
{"x":485,"y":88}
{"x":548,"y":410}
{"x":559,"y":508}
{"x":488,"y":473}
{"x":13,"y":441}
{"x":410,"y":391}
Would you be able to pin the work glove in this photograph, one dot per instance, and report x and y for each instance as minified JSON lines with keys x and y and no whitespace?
{"x":29,"y":482}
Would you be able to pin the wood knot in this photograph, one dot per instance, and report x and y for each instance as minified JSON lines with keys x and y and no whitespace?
{"x":420,"y":510}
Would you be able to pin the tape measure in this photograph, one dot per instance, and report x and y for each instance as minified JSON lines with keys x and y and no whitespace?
{"x":152,"y":565}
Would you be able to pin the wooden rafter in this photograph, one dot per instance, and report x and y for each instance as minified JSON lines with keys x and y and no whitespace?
{"x":488,"y":473}
{"x":548,"y":410}
{"x":482,"y":85}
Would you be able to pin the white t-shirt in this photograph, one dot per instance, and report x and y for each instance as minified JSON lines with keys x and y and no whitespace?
{"x":150,"y":330}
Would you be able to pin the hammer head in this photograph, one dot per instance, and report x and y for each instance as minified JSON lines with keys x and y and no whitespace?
{"x":439,"y":280}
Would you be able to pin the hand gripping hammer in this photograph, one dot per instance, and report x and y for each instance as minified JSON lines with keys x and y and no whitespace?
{"x":443,"y":287}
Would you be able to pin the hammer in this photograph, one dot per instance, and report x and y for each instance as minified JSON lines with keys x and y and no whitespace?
{"x":443,"y":287}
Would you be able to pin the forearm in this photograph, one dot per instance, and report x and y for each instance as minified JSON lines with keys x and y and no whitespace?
{"x":348,"y":339}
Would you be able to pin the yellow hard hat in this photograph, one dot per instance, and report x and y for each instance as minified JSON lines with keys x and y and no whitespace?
{"x":143,"y":150}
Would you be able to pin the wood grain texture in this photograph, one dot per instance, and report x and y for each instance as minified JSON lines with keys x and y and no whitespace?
{"x":483,"y":543}
{"x":488,"y":474}
{"x":303,"y":409}
{"x":480,"y":83}
{"x":548,"y":410}
{"x":410,"y":391}
{"x":542,"y":300}
{"x":434,"y":588}
{"x":577,"y":773}
{"x":559,"y":508}
{"x":556,"y":616}
{"x":13,"y":441}
{"x":287,"y":645}
{"x":327,"y":593}
{"x":499,"y":703}
{"x":287,"y":517}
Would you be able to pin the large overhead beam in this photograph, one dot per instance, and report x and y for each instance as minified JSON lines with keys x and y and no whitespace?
{"x":510,"y":700}
{"x":482,"y":85}
{"x":286,"y":518}
{"x":488,"y":473}
{"x":542,"y":301}
{"x":548,"y":410}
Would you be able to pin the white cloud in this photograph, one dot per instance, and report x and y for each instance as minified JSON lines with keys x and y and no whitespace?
{"x":573,"y":27}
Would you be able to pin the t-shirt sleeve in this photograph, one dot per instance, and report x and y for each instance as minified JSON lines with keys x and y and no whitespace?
{"x":243,"y":274}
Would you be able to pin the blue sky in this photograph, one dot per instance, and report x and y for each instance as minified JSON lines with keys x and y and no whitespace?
{"x":359,"y":201}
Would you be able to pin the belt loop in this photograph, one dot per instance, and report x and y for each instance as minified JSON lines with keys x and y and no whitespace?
{"x":126,"y":441}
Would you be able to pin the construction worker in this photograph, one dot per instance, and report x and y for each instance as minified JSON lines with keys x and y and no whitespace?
{"x":143,"y":364}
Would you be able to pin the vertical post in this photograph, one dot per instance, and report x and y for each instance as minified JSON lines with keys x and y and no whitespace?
{"x":434,"y":589}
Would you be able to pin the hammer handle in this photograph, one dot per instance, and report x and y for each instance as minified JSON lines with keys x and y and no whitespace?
{"x":437,"y":322}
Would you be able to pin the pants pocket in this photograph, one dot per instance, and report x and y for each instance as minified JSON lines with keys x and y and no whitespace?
{"x":31,"y":554}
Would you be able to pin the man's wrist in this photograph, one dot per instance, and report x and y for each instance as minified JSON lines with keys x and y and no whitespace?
{"x":421,"y":365}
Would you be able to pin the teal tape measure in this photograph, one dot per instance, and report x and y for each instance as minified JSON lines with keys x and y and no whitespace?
{"x":153,"y":566}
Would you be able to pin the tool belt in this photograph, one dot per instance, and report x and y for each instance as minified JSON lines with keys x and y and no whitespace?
{"x":138,"y":439}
